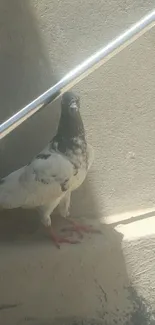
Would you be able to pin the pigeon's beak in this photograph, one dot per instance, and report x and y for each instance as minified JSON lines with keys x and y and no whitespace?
{"x":73,"y":106}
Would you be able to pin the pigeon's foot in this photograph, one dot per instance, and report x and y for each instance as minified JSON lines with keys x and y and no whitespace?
{"x":59,"y":239}
{"x":80,"y":229}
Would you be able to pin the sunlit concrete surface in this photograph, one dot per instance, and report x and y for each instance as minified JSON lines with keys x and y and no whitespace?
{"x":107,"y":279}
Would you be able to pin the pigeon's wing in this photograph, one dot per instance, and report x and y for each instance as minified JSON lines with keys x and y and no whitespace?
{"x":43,"y":180}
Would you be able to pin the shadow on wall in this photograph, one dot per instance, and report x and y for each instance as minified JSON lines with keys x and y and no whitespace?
{"x":25,"y":73}
{"x":88,"y":280}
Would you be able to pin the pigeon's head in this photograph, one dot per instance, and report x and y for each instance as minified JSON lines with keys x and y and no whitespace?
{"x":70,"y":104}
{"x":70,"y":124}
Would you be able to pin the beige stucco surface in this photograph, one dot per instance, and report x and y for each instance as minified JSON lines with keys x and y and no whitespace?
{"x":109,"y":277}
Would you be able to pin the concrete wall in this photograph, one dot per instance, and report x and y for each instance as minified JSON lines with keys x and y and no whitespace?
{"x":109,"y":277}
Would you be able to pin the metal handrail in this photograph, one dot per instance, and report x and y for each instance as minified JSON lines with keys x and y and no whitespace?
{"x":80,"y":72}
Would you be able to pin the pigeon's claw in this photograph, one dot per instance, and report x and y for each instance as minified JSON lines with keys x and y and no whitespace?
{"x":80,"y":229}
{"x":59,"y":239}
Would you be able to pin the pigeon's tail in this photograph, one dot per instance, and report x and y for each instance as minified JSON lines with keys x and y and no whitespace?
{"x":9,"y":190}
{"x":4,"y":193}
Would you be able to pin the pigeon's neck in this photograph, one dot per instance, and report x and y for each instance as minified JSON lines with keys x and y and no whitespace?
{"x":70,"y":134}
{"x":70,"y":127}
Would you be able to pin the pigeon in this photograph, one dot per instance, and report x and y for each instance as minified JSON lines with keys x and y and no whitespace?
{"x":49,"y":179}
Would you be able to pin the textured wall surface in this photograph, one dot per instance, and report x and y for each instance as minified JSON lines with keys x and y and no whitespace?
{"x":107,"y":279}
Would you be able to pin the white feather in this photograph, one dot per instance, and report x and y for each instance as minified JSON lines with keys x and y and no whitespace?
{"x":37,"y":184}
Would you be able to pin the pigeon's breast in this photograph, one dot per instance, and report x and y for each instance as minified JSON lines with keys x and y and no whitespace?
{"x":79,"y":178}
{"x":79,"y":162}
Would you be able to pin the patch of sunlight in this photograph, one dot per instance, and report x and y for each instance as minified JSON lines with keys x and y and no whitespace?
{"x":133,"y":224}
{"x":137,"y":229}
